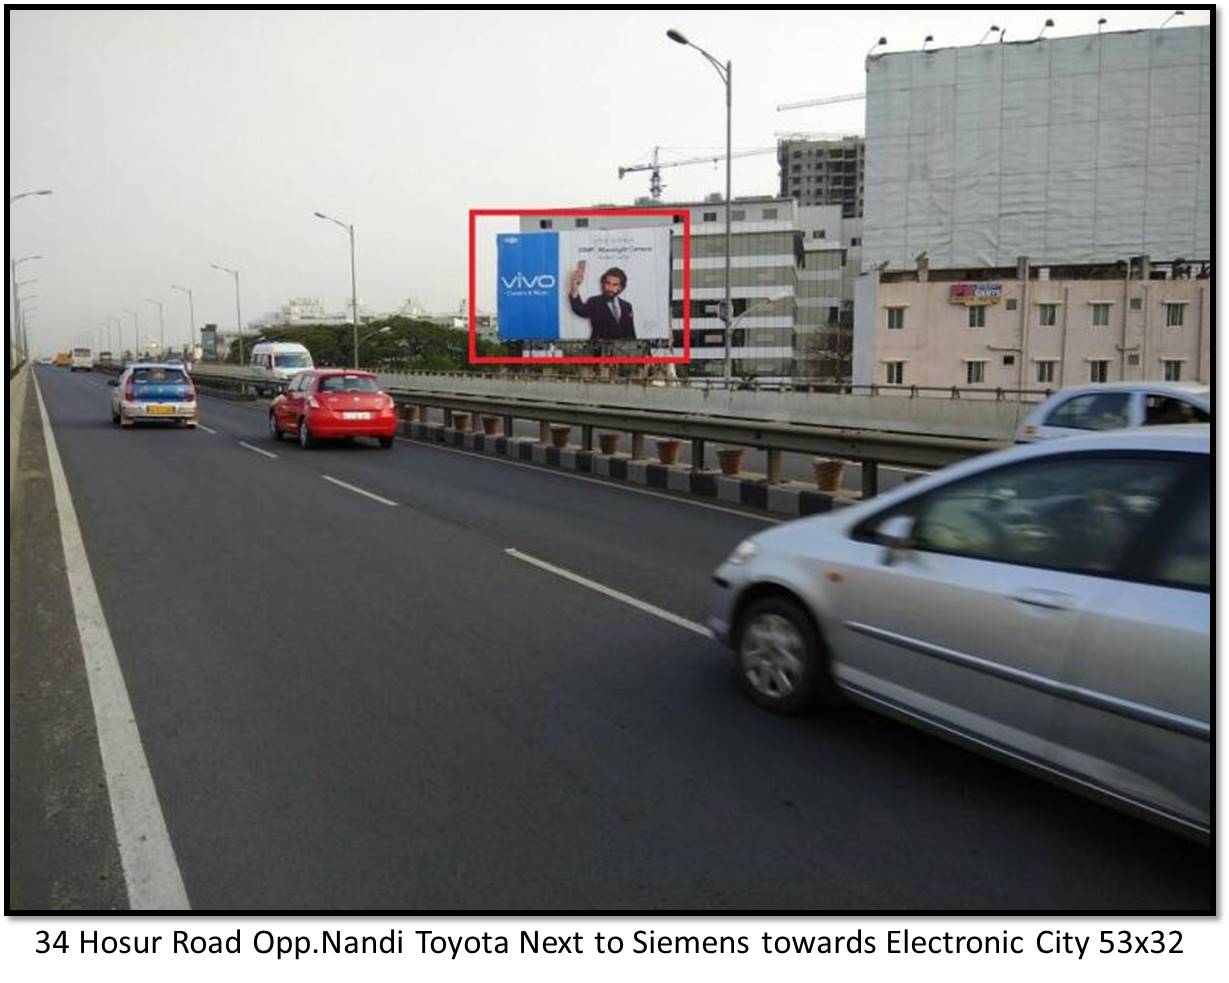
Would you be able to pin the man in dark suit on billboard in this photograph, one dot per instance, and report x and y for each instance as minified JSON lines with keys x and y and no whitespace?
{"x":610,"y":318}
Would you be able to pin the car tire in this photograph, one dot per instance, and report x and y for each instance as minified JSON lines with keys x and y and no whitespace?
{"x":306,"y":440}
{"x":274,"y":430}
{"x":114,"y":420}
{"x":782,"y":663}
{"x":386,"y":442}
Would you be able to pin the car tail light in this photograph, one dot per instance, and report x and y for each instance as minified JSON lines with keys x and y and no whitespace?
{"x":128,"y":394}
{"x":191,"y":395}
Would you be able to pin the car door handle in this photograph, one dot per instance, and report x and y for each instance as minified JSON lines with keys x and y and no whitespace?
{"x":1051,"y":599}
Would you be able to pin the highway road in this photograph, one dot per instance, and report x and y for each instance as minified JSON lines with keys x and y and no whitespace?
{"x":356,"y":690}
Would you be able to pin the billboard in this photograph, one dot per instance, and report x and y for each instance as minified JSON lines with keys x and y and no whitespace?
{"x":584,"y":285}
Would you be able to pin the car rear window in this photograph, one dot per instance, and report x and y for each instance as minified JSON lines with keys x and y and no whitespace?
{"x":292,"y":360}
{"x":1093,"y":411}
{"x":81,"y":351}
{"x":348,"y":384}
{"x":161,"y":376}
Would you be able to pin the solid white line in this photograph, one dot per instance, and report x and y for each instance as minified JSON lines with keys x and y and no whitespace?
{"x":201,"y":426}
{"x":615,"y":485}
{"x":635,"y":602}
{"x":244,"y":443}
{"x":358,"y":491}
{"x":151,"y":872}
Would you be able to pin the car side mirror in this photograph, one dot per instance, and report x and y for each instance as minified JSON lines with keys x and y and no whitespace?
{"x":896,"y":534}
{"x":113,"y":382}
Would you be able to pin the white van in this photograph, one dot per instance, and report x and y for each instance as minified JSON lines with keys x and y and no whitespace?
{"x":82,"y":358}
{"x":279,"y":362}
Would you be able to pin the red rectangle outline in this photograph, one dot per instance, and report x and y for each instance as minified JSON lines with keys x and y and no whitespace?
{"x":476,"y":359}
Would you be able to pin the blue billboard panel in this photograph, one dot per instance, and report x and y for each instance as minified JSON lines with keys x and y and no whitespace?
{"x":528,"y":290}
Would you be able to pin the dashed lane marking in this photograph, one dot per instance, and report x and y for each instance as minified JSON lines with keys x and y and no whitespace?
{"x":358,"y":491}
{"x":244,"y":443}
{"x":151,"y":872}
{"x":627,"y":599}
{"x":201,"y":426}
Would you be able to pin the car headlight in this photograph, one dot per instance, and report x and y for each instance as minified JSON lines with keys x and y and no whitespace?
{"x":744,"y":552}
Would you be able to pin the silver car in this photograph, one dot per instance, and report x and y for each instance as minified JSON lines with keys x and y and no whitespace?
{"x":153,"y":391}
{"x":1048,"y":603}
{"x":1114,"y":405}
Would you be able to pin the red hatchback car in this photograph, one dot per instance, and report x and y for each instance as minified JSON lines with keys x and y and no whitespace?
{"x":327,"y":403}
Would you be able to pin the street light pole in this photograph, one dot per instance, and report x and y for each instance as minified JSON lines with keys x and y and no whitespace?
{"x":161,"y":327}
{"x":238,"y":316}
{"x":726,"y":73}
{"x":353,"y":281}
{"x":136,"y":335}
{"x":8,"y":348}
{"x":191,"y":320}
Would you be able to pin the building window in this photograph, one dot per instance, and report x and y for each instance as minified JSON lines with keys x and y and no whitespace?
{"x":1100,"y":316}
{"x":1137,"y":303}
{"x":1133,"y":358}
{"x":738,"y":215}
{"x":770,"y":213}
{"x":819,"y":234}
{"x":896,"y":373}
{"x":1011,"y":303}
{"x":896,"y":318}
{"x":1045,"y":371}
{"x":1098,"y":369}
{"x":710,"y":216}
{"x":977,"y":317}
{"x":1047,"y":315}
{"x":1172,"y":369}
{"x":546,"y":223}
{"x":1009,"y":359}
{"x":1174,"y":315}
{"x":582,"y":223}
{"x":855,"y":241}
{"x":975,"y":372}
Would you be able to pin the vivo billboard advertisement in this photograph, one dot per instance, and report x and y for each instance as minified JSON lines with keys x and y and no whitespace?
{"x":584,"y":285}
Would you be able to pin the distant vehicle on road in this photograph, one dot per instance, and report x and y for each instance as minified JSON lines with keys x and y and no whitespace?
{"x":62,"y":359}
{"x":1048,"y":604}
{"x":148,"y":392}
{"x":328,"y":403}
{"x":106,"y":358}
{"x":82,"y":358}
{"x":279,"y":362}
{"x":1114,"y":405}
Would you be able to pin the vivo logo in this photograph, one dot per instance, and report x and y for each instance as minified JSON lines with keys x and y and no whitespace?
{"x":543,"y":281}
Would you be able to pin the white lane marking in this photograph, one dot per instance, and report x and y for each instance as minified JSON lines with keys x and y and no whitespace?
{"x":151,"y":872}
{"x":635,"y":602}
{"x":358,"y":491}
{"x":593,"y":481}
{"x":244,"y":443}
{"x":201,"y":426}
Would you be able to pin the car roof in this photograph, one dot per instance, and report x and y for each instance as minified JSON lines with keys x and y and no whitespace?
{"x":324,"y":372}
{"x":1112,"y":387}
{"x":155,"y":365}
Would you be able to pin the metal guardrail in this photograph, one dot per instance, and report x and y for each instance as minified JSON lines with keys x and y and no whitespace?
{"x":867,"y":447}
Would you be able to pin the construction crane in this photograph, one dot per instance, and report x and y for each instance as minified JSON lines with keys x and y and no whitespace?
{"x":825,"y":101}
{"x":656,"y":165}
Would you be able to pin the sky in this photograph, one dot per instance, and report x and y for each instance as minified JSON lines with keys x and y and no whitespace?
{"x":176,"y":139}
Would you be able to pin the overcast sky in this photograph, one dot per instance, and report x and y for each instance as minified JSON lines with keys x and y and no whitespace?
{"x":177,"y":139}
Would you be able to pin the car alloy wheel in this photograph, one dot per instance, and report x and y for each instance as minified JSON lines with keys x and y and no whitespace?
{"x":305,"y":435}
{"x":274,"y":431}
{"x":773,"y":656}
{"x":780,"y":660}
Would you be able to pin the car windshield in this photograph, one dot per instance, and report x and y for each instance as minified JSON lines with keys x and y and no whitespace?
{"x":292,"y":360}
{"x":348,"y":384}
{"x":81,"y":351}
{"x":159,"y":375}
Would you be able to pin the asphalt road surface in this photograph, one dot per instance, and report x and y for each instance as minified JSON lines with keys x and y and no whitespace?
{"x":349,"y":704}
